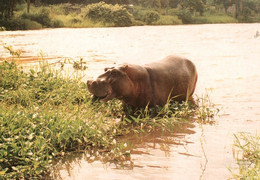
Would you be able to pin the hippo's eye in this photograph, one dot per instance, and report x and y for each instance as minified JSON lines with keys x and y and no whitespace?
{"x":114,"y":72}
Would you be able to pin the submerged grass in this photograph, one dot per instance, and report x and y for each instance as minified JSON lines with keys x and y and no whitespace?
{"x":45,"y":115}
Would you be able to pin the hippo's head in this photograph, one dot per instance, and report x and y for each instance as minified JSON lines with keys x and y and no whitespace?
{"x":114,"y":83}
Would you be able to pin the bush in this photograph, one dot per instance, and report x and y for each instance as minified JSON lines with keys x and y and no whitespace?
{"x":185,"y":16}
{"x":168,"y":20}
{"x":121,"y":17}
{"x":108,"y":14}
{"x":29,"y":24}
{"x":41,"y":17}
{"x":10,"y":24}
{"x":151,"y":17}
{"x":20,"y":23}
{"x":138,"y":13}
{"x":57,"y":23}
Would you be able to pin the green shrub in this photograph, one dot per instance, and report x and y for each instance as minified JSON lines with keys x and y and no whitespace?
{"x":121,"y":17}
{"x":108,"y":14}
{"x":57,"y":23}
{"x":138,"y":13}
{"x":41,"y":17}
{"x":10,"y":24}
{"x":185,"y":16}
{"x":151,"y":17}
{"x":29,"y":24}
{"x":168,"y":20}
{"x":20,"y":23}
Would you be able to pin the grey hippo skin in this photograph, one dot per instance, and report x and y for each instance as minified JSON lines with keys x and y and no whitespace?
{"x":151,"y":84}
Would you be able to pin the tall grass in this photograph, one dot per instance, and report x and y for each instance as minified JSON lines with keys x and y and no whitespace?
{"x":45,"y":115}
{"x":247,"y":153}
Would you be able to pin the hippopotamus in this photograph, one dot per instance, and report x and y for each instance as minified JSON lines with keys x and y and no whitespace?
{"x":151,"y":84}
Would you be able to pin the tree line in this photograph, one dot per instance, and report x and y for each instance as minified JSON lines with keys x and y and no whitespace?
{"x":244,"y":7}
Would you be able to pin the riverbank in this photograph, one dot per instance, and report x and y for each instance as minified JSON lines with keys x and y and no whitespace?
{"x":107,"y":15}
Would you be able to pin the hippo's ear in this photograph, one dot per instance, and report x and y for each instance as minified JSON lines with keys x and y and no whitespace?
{"x":126,"y":67}
{"x":123,"y":68}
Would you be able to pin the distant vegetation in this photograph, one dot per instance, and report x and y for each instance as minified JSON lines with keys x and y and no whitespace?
{"x":36,"y":14}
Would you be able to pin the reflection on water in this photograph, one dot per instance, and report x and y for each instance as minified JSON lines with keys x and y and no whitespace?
{"x":151,"y":155}
{"x":227,"y":57}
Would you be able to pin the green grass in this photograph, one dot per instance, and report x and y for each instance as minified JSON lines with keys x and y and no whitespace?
{"x":213,"y":19}
{"x":247,"y":154}
{"x":45,"y":115}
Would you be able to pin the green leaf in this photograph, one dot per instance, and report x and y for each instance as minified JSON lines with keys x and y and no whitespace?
{"x":3,"y":172}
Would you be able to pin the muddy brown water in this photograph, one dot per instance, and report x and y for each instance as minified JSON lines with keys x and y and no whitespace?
{"x":227,"y":57}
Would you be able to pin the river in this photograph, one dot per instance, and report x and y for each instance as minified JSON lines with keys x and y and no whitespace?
{"x":227,"y":57}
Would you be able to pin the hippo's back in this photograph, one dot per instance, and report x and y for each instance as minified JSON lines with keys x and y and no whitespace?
{"x":173,"y":76}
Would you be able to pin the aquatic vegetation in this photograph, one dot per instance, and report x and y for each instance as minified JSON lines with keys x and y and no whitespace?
{"x":206,"y":110}
{"x":13,"y":53}
{"x":45,"y":115}
{"x":247,"y":153}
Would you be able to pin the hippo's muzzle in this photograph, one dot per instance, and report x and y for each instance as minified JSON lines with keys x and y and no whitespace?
{"x":100,"y":89}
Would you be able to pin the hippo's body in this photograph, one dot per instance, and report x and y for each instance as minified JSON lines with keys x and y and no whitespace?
{"x":151,"y":84}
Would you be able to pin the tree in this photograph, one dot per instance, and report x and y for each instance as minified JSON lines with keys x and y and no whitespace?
{"x":245,"y":9}
{"x":194,"y":5}
{"x":226,"y":3}
{"x":7,"y":8}
{"x":238,"y":6}
{"x":28,"y":6}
